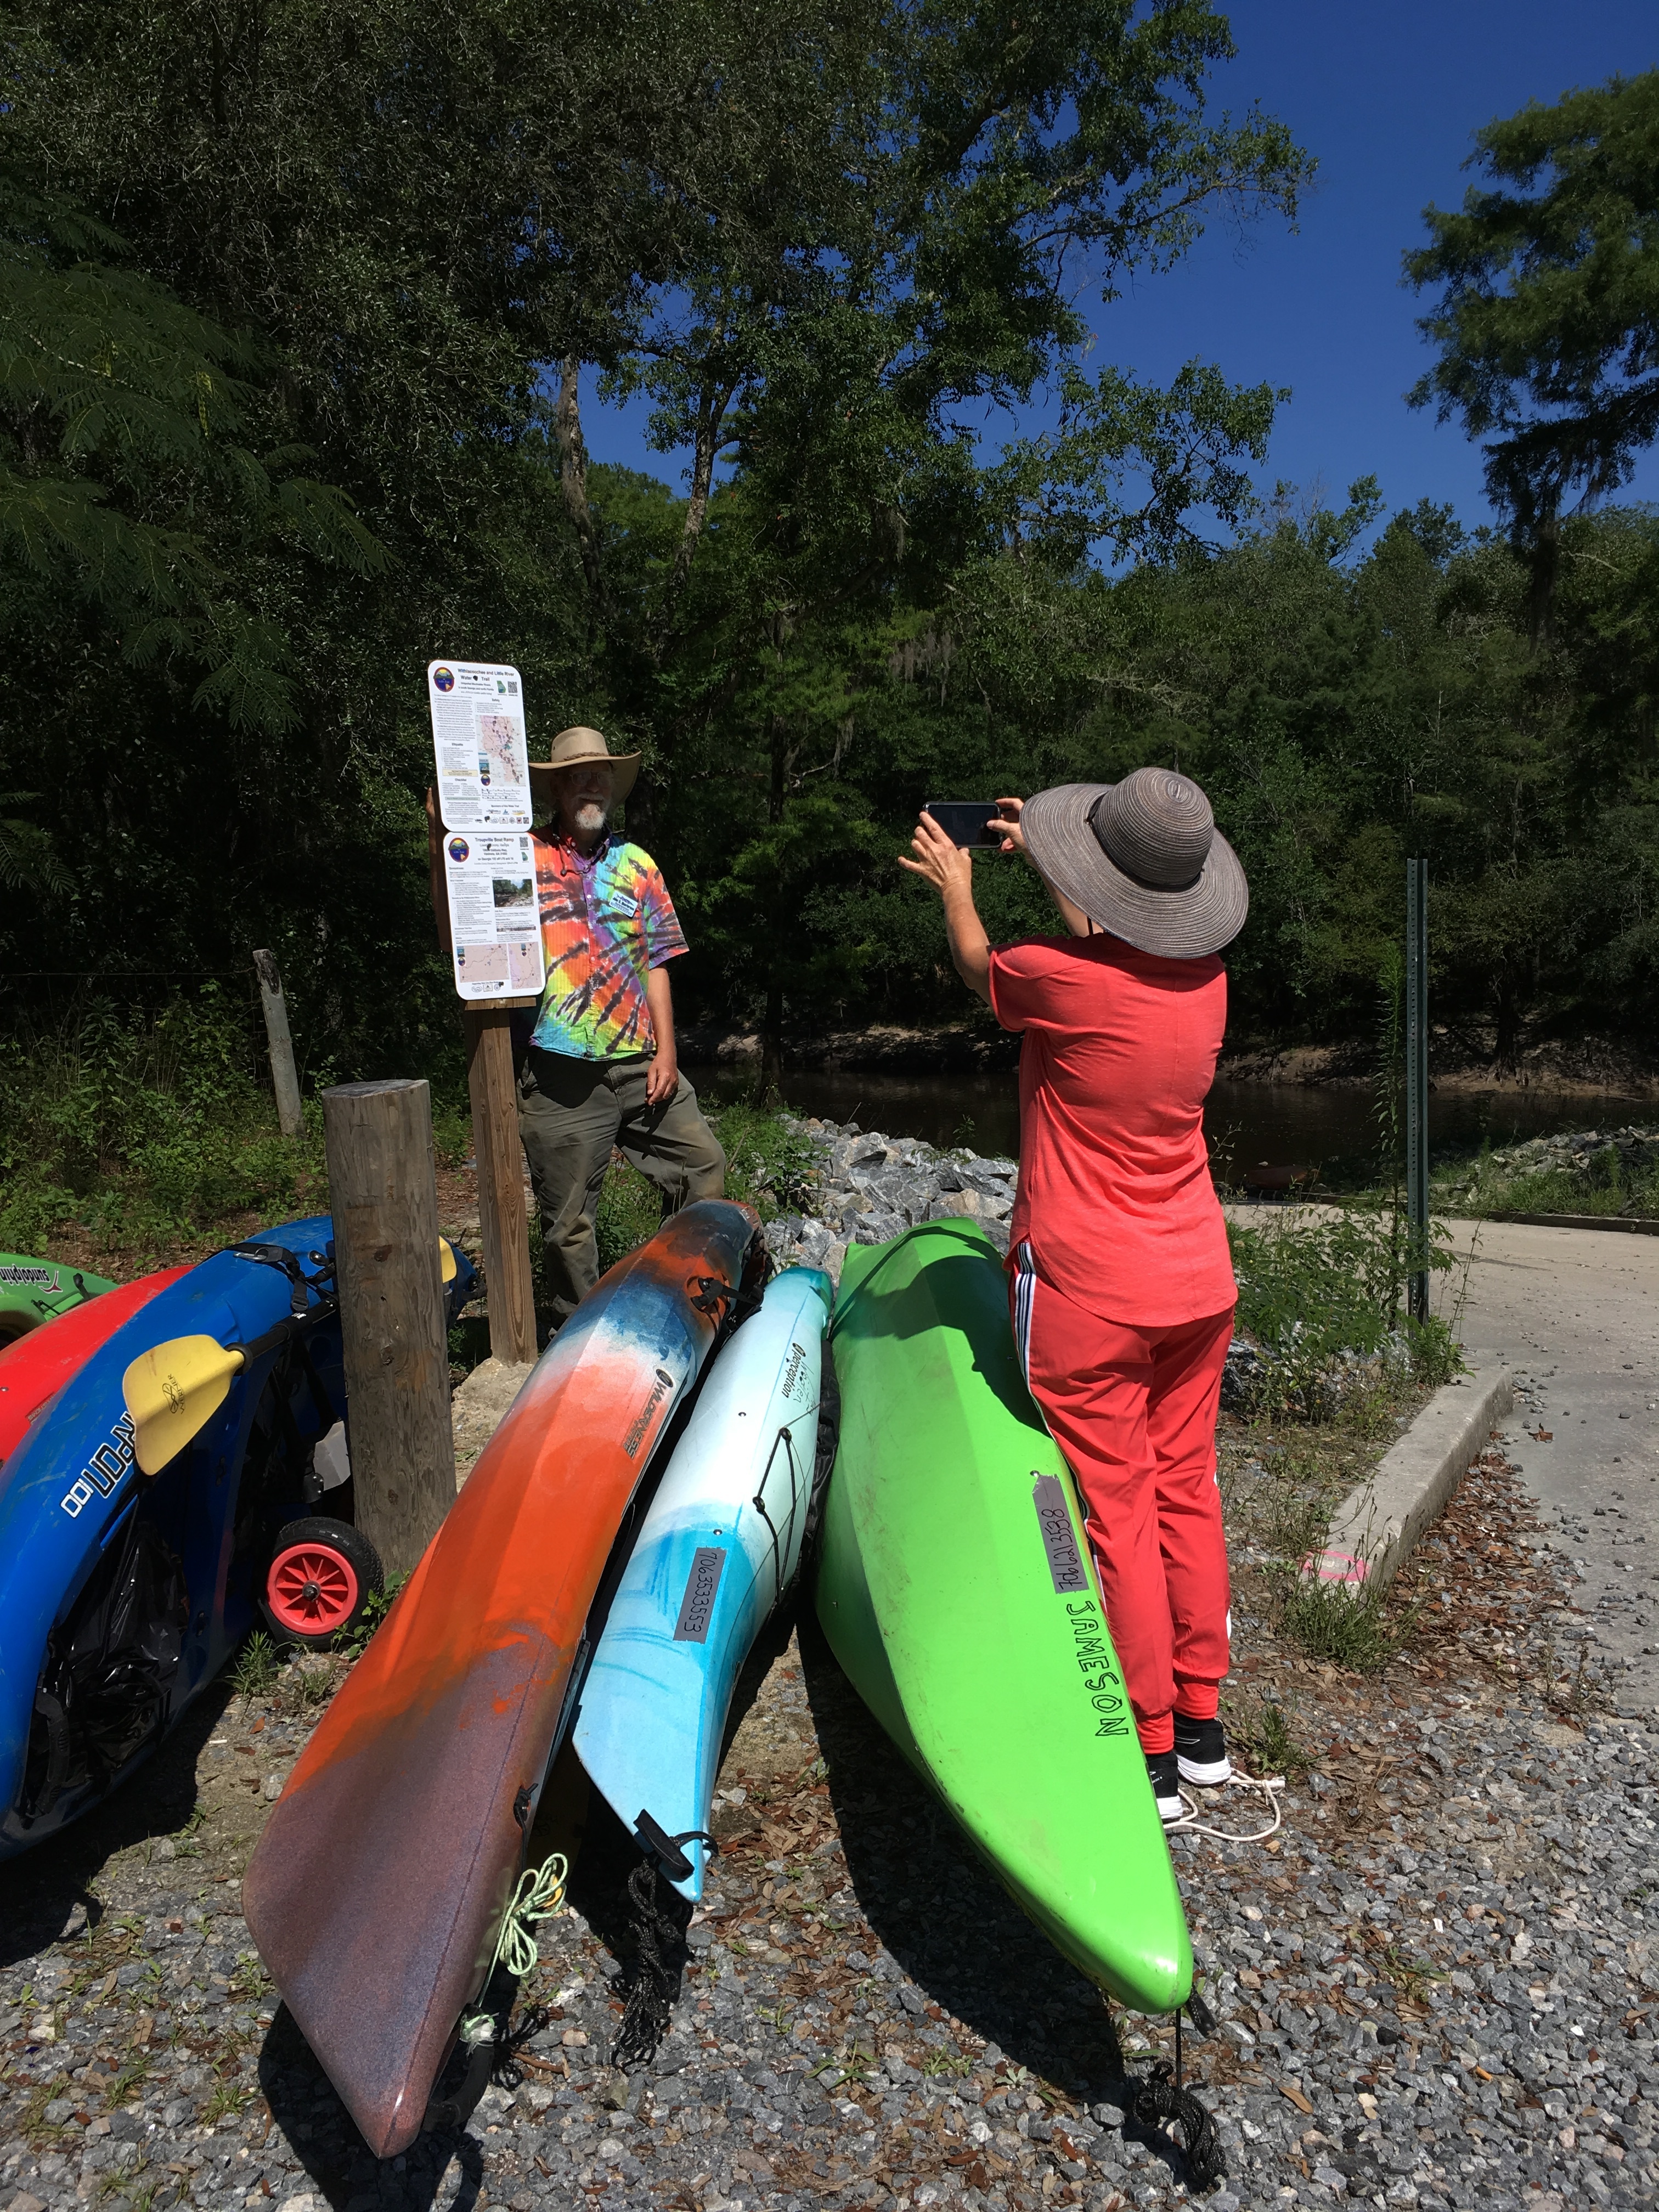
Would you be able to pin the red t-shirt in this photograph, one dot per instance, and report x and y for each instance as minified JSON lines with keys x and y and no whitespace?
{"x":1115,"y":1198}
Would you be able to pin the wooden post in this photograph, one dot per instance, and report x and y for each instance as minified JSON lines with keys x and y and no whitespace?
{"x":282,"y":1072}
{"x":503,"y":1225}
{"x":379,"y":1138}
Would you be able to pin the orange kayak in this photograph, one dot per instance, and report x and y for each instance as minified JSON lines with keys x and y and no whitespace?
{"x":377,"y":1892}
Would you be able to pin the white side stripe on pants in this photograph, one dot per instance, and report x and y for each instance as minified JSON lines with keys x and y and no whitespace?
{"x":1025,"y":1298}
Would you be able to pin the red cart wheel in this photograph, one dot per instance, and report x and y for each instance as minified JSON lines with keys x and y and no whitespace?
{"x":321,"y":1576}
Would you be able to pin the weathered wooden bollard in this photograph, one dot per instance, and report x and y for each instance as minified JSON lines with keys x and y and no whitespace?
{"x":384,"y":1200}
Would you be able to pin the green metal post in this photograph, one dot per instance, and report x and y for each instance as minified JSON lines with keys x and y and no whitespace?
{"x":1417,"y":1083}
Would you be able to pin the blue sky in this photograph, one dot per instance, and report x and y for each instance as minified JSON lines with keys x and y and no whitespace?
{"x":1387,"y":94}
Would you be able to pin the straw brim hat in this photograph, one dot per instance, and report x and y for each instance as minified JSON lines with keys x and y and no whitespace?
{"x":575,"y":748}
{"x":1144,"y":860}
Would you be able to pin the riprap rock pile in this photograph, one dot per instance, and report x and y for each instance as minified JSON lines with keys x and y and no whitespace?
{"x":869,"y":1187}
{"x":1576,"y":1150}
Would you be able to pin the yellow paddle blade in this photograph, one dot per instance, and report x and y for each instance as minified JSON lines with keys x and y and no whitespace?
{"x":446,"y":1259}
{"x":172,"y":1392}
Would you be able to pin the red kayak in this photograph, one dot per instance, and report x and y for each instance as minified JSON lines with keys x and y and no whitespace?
{"x":38,"y":1365}
{"x":377,"y":1892}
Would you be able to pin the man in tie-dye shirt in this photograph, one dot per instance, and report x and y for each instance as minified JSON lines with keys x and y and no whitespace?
{"x":601,"y":1069}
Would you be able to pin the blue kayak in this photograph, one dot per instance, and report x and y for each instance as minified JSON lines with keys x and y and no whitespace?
{"x":719,"y":1544}
{"x":121,"y":1596}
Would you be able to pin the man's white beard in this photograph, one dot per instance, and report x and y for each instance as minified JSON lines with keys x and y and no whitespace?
{"x":590,"y":816}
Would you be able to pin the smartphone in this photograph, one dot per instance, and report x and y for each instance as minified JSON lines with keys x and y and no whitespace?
{"x":963,"y":820}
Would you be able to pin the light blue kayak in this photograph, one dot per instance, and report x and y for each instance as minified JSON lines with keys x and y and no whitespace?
{"x":718,"y":1545}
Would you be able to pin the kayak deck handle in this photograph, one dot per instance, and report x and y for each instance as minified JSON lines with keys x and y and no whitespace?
{"x":709,"y":1294}
{"x":656,"y":1843}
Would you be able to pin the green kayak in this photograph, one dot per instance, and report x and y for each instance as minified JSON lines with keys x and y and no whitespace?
{"x":33,"y":1291}
{"x":958,"y":1594}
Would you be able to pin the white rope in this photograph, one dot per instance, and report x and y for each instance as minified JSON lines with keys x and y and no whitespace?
{"x":1190,"y":1825}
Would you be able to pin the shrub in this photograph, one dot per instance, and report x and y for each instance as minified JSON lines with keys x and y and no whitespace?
{"x":629,"y":1212}
{"x":144,"y":1127}
{"x":768,"y":1165}
{"x":1322,"y":1295}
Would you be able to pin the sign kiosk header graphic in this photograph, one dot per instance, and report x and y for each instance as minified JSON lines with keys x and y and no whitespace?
{"x":479,"y":743}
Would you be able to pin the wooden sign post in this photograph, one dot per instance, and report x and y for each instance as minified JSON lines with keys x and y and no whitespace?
{"x":384,"y":1198}
{"x":503,"y":1223}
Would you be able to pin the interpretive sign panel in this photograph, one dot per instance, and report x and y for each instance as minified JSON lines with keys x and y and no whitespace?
{"x":478,"y":736}
{"x":494,"y":921}
{"x":483,"y":803}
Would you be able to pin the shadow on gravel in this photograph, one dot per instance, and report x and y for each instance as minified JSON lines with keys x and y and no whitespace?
{"x":949,"y":1924}
{"x":338,"y":2162}
{"x":607,"y":1853}
{"x":574,"y":1819}
{"x":39,"y":1892}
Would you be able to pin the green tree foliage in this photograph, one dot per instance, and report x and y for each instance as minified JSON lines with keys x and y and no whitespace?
{"x":124,"y":481}
{"x":1341,"y":711}
{"x":1548,"y":322}
{"x":296,"y":304}
{"x":999,"y":162}
{"x":392,"y":237}
{"x":402,"y":214}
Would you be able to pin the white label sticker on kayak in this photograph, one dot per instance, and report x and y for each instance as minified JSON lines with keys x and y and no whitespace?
{"x":697,"y":1606}
{"x":1058,"y":1539}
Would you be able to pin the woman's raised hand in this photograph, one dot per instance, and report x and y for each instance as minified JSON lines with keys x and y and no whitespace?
{"x":947,"y":867}
{"x":1008,"y":820}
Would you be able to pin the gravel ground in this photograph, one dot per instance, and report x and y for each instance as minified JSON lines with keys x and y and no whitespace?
{"x":1436,"y":1985}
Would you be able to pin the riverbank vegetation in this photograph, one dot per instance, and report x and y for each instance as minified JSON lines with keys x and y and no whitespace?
{"x":1592,"y":1175}
{"x":145,"y":1137}
{"x":146,"y":1143}
{"x":1337,"y":1372}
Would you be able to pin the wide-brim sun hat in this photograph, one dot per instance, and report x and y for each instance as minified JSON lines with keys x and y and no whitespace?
{"x":1143,"y":859}
{"x":573,"y":748}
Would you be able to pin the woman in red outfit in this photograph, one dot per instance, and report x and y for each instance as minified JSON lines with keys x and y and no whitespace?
{"x":1121,"y":1279}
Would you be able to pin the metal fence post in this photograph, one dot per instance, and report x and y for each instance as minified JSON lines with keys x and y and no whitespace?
{"x":1417,"y":1084}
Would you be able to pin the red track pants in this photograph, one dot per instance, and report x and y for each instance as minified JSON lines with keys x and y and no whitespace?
{"x":1134,"y":1412}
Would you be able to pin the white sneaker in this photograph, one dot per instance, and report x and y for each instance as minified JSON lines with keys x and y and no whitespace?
{"x":1201,"y":1752}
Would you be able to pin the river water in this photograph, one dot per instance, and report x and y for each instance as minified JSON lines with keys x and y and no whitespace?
{"x":1325,"y":1127}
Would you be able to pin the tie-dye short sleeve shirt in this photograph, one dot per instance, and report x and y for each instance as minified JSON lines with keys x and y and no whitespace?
{"x":606,"y":923}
